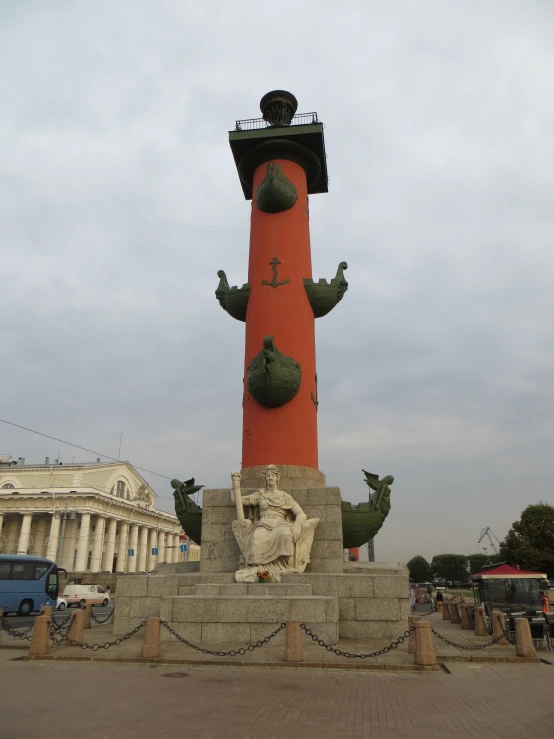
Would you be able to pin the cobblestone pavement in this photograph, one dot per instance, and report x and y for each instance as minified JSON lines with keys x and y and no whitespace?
{"x":43,"y":700}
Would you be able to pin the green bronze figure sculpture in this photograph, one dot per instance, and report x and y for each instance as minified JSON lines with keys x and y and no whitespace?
{"x":361,"y":522}
{"x":276,"y":192}
{"x":273,"y":378}
{"x":186,"y":510}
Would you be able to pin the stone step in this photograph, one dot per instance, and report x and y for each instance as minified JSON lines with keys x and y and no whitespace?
{"x":244,"y":619}
{"x":249,"y":608}
{"x":176,"y":568}
{"x":240,"y":589}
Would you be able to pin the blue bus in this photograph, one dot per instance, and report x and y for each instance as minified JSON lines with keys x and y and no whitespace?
{"x":27,"y":583}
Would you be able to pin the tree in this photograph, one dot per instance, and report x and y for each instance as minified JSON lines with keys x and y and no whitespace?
{"x":530,"y":541}
{"x":450,"y":567}
{"x":477,"y":561}
{"x":419,"y":569}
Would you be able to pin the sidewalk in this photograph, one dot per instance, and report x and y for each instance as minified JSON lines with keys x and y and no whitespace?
{"x":271,"y":655}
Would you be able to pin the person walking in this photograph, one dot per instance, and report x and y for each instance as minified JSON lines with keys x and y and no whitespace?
{"x":544,"y":602}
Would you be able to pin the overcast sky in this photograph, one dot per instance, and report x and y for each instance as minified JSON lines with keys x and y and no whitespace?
{"x":119,"y":201}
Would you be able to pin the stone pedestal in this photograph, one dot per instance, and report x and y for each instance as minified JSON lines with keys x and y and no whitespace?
{"x":220,"y":551}
{"x":364,"y":601}
{"x":446,"y":611}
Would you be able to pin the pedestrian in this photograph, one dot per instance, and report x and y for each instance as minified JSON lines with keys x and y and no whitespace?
{"x":544,"y":602}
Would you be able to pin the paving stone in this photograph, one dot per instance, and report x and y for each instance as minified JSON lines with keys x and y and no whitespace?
{"x":145,"y":607}
{"x":230,"y":634}
{"x":162,"y":585}
{"x":355,"y":586}
{"x":194,"y":609}
{"x":391,"y":587}
{"x":377,"y":609}
{"x":132,"y":585}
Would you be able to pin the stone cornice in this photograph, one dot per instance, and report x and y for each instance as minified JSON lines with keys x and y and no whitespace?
{"x":87,"y":501}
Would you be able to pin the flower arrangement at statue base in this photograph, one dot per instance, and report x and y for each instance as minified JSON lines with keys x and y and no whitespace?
{"x":263,"y":576}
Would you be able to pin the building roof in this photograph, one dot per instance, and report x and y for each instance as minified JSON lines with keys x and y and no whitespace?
{"x":507,"y":572}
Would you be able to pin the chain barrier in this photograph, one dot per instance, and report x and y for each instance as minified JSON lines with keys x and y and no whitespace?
{"x":27,"y":634}
{"x":231,"y":652}
{"x":101,"y":621}
{"x":59,"y":627}
{"x":64,"y":639}
{"x":393,"y":645}
{"x":486,"y":623}
{"x":504,"y":634}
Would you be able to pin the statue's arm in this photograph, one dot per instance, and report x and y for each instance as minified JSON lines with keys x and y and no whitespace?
{"x":299,"y":514}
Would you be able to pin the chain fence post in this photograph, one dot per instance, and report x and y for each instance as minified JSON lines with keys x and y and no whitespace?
{"x":480,"y":621}
{"x":151,"y":648}
{"x":445,"y":611}
{"x":412,"y":620}
{"x":47,"y":611}
{"x":454,"y":614}
{"x":76,"y":630}
{"x":424,"y":648}
{"x":499,"y":627}
{"x":40,"y":641}
{"x":293,"y":642}
{"x":87,"y":612}
{"x":465,"y":613}
{"x":524,"y":641}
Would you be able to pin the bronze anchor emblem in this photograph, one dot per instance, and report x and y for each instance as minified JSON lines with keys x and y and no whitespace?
{"x":275,"y":262}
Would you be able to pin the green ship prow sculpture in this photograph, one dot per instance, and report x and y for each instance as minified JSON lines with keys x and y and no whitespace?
{"x":360,"y":522}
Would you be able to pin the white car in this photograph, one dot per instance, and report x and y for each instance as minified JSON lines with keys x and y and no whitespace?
{"x":79,"y":595}
{"x":61,"y":605}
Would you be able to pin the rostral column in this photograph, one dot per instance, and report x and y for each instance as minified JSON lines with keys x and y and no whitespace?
{"x":280,"y":160}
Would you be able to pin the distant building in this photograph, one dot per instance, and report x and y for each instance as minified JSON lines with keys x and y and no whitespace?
{"x":96,"y":517}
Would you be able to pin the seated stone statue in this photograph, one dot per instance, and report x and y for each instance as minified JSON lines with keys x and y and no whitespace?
{"x":277,"y":537}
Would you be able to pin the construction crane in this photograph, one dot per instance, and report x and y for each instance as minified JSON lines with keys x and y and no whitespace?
{"x":487,"y":531}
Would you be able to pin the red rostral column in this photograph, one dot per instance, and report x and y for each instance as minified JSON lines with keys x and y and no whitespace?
{"x":281,"y":160}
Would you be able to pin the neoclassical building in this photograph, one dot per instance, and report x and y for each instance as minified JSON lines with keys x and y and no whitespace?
{"x":94,"y":517}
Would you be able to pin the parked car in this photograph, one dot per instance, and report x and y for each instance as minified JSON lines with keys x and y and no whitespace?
{"x":80,"y":595}
{"x":61,"y":605}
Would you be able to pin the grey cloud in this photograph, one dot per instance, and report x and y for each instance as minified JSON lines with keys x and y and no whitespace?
{"x":119,"y":201}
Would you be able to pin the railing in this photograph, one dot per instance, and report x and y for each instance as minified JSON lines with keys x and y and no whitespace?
{"x":253,"y":124}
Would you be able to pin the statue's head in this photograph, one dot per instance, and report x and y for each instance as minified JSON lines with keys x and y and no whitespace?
{"x":271,"y":475}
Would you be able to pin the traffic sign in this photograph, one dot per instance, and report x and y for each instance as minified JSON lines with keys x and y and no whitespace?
{"x":154,"y":551}
{"x":184,"y":547}
{"x":131,"y":552}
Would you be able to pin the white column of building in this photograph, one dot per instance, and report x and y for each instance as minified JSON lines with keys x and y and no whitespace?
{"x":97,"y":541}
{"x":53,"y":538}
{"x":40,"y":536}
{"x":122,"y":547}
{"x":25,"y":533}
{"x":176,"y":548}
{"x":70,"y":537}
{"x":82,"y":544}
{"x":152,"y":558}
{"x":161,"y":547}
{"x":133,"y":543}
{"x":143,"y":550}
{"x":12,"y":528}
{"x":107,"y":562}
{"x":1,"y":524}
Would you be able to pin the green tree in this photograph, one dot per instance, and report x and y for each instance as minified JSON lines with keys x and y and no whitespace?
{"x":477,"y":561}
{"x":530,"y":541}
{"x":450,"y":567}
{"x":419,"y":569}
